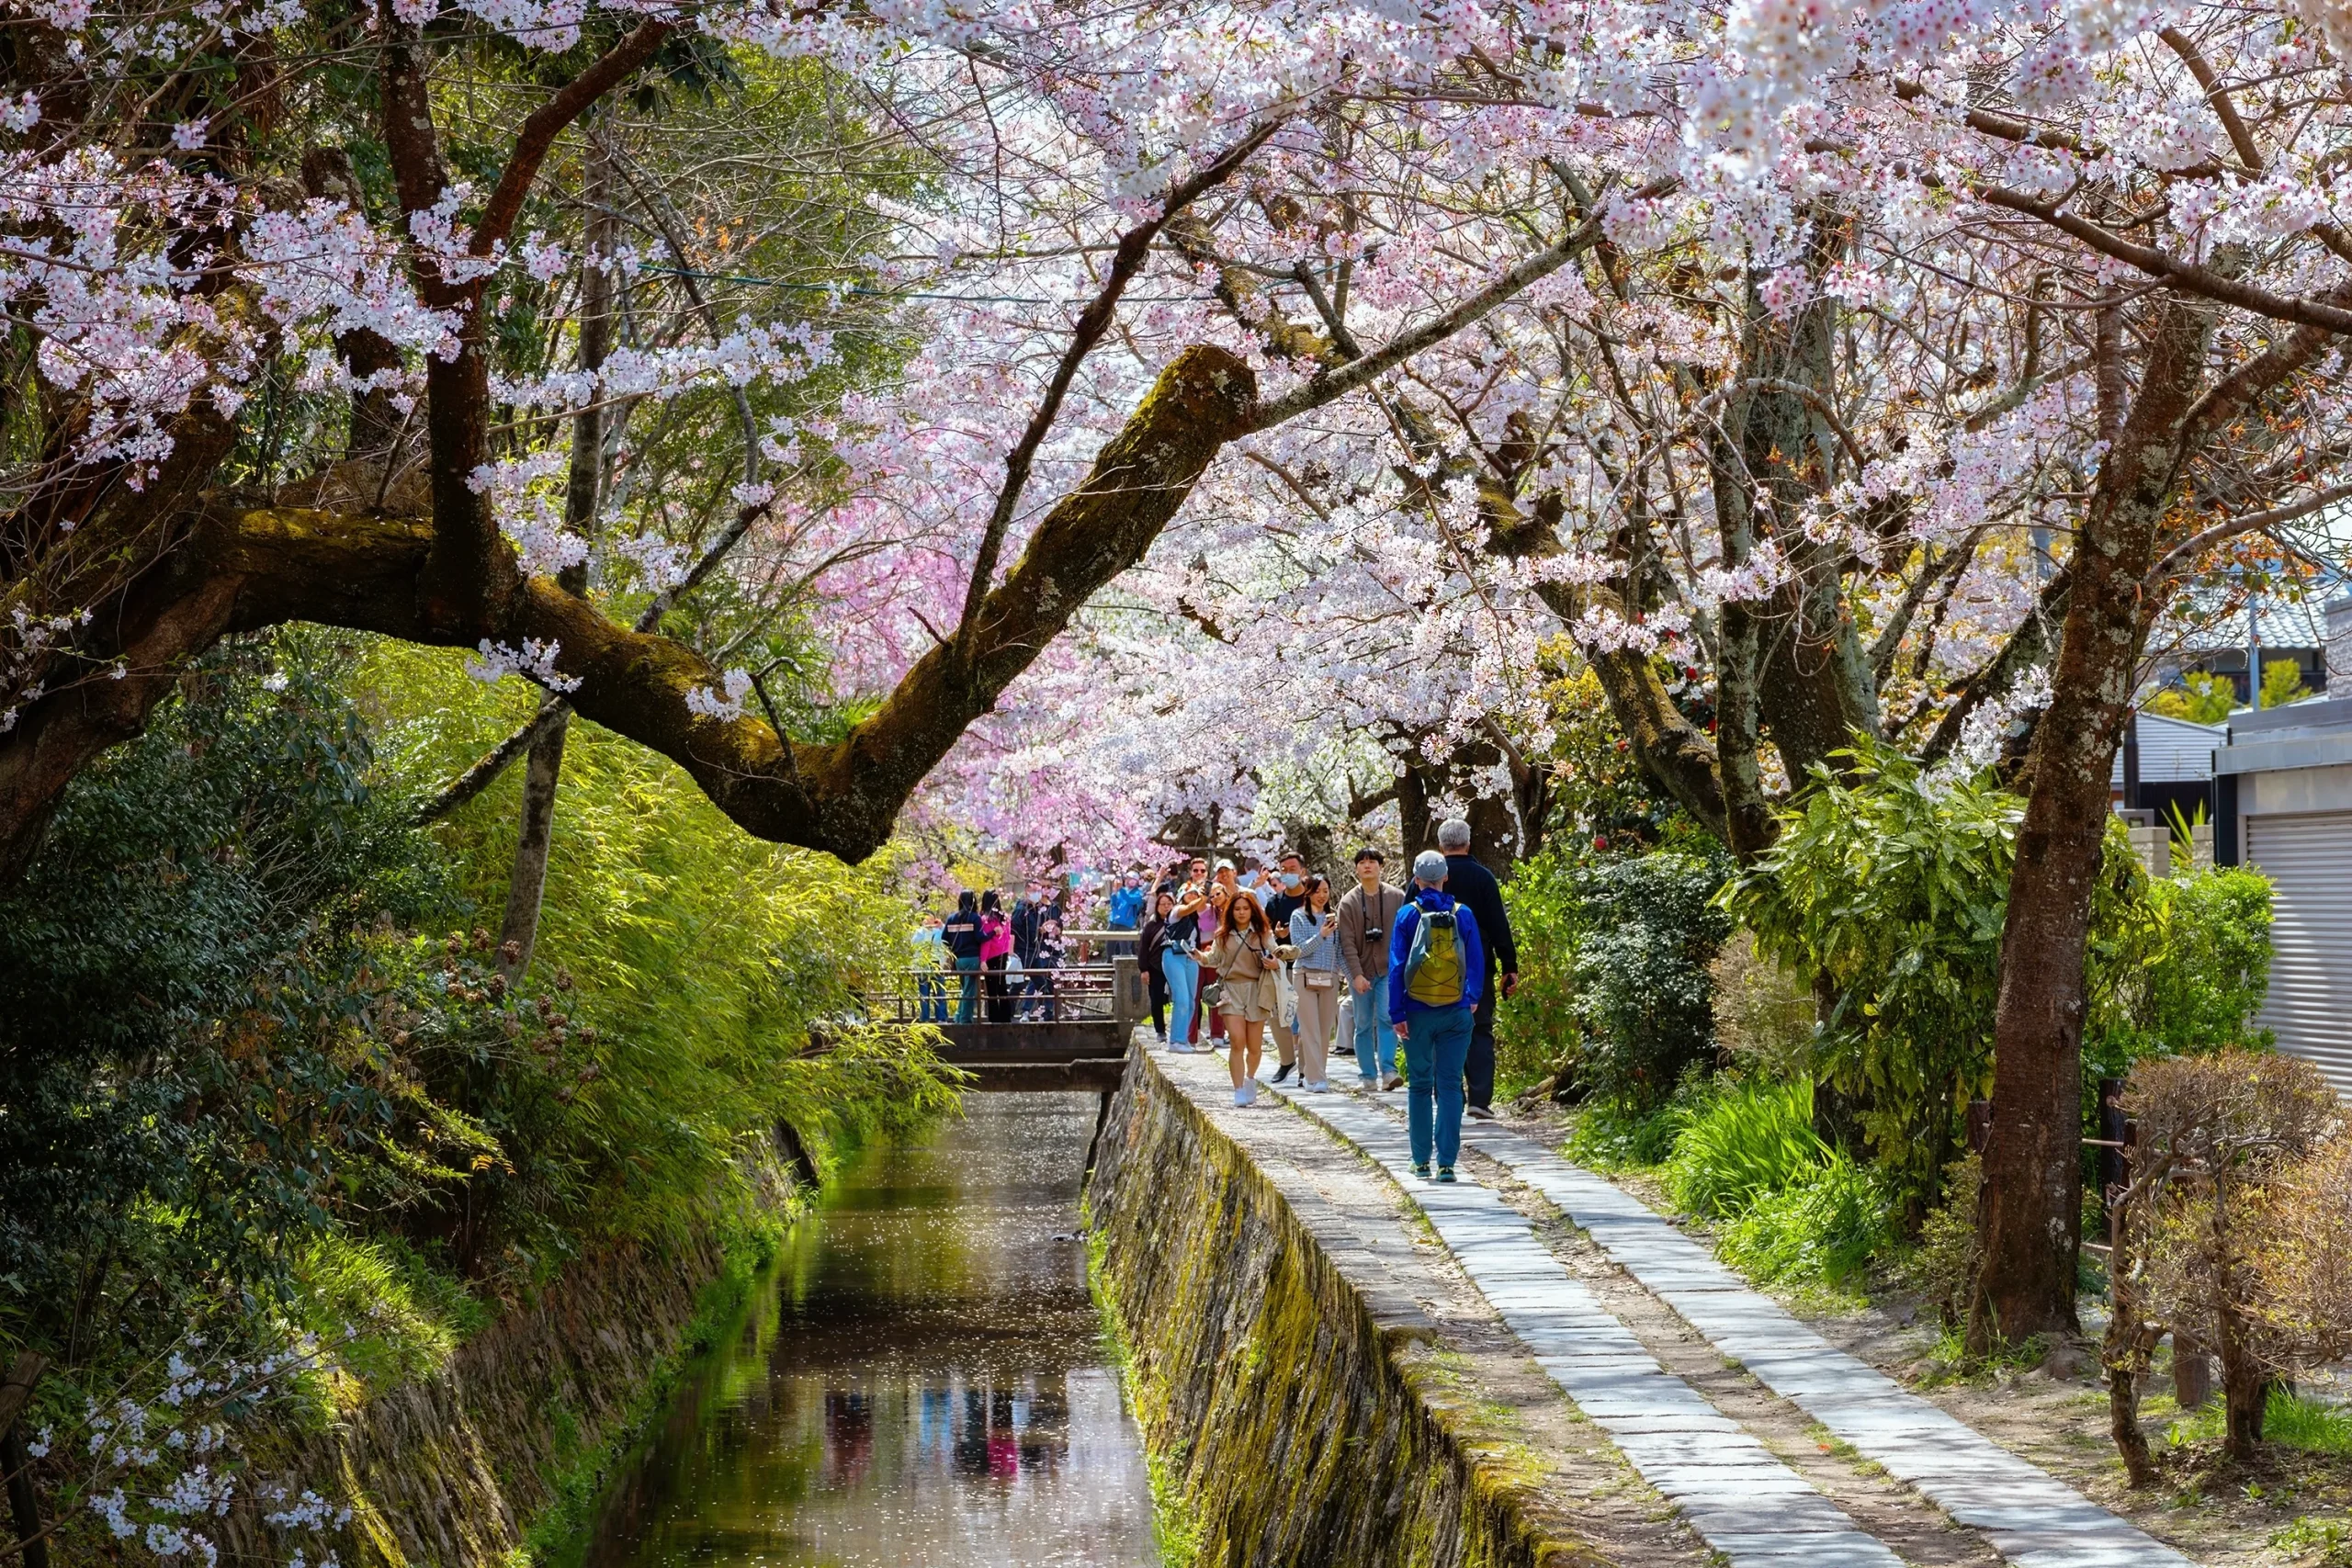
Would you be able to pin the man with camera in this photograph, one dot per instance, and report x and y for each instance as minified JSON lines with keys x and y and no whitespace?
{"x":1367,"y":915}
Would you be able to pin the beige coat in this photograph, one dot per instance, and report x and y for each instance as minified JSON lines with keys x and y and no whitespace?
{"x":1358,"y":957}
{"x":1252,"y":988}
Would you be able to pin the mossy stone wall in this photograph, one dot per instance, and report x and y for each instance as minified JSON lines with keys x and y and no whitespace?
{"x":1288,"y":1427}
{"x":454,"y":1470}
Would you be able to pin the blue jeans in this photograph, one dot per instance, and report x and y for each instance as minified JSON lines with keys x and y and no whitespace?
{"x":1183,"y":972}
{"x":932,"y":989}
{"x":1375,"y":1047}
{"x":1436,"y":1044}
{"x":967,"y":1006}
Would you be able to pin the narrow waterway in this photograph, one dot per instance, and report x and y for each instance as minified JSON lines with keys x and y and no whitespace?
{"x":923,"y":1379}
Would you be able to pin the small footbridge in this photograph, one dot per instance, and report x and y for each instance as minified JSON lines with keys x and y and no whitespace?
{"x":1028,"y":1031}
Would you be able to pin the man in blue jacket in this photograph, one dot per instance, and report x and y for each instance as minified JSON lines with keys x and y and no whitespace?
{"x":1126,"y":912}
{"x":1436,"y":967}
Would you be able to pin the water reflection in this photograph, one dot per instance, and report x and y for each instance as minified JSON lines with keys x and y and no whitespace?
{"x":925,"y":1382}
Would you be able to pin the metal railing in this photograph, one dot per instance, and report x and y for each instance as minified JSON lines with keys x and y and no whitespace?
{"x":1107,"y":992}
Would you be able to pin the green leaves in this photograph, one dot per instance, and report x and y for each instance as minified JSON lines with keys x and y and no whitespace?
{"x":1892,"y":885}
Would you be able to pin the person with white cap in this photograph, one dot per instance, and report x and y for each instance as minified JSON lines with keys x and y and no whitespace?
{"x":1436,"y":966}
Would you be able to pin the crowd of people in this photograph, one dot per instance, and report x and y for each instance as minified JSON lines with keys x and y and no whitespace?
{"x":1397,"y":976}
{"x":1002,"y":965}
{"x":1378,"y":971}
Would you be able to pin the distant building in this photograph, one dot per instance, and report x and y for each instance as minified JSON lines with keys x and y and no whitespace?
{"x":2165,"y":763}
{"x":2283,"y":803}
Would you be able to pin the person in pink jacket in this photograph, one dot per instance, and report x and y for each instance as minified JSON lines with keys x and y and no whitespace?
{"x":996,"y":947}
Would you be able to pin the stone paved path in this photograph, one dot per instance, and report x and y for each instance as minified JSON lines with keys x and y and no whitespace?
{"x":2031,"y":1518}
{"x":1747,"y":1505}
{"x":1742,"y":1500}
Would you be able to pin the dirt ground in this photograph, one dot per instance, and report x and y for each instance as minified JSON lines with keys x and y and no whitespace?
{"x":2288,"y":1511}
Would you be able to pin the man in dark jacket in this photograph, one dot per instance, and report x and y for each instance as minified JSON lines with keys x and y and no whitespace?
{"x":1476,"y":888}
{"x":961,"y":936}
{"x":1028,"y":916}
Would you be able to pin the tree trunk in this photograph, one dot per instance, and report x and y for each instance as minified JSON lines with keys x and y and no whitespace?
{"x":2030,"y":1209}
{"x":527,"y":885}
{"x":584,"y":486}
{"x":2123,"y":1424}
{"x":2246,"y":1394}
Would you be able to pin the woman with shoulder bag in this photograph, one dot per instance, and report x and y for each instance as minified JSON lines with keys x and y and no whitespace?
{"x":1246,"y":957}
{"x":1315,"y":975}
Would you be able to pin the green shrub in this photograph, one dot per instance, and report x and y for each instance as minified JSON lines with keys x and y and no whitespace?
{"x":1944,"y":1266}
{"x":1644,"y":995}
{"x":1536,"y":1032}
{"x":1825,"y":1226}
{"x":1611,"y":1136}
{"x":2183,"y":972}
{"x":1764,"y":1013}
{"x":1745,"y":1143}
{"x":1893,"y":886}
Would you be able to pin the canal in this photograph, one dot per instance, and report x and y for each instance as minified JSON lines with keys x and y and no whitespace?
{"x":922,"y":1378}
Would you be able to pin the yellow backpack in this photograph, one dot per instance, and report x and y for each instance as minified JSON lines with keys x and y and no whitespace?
{"x":1434,"y":966}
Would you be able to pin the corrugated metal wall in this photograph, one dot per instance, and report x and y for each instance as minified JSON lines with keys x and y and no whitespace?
{"x":2309,"y":860}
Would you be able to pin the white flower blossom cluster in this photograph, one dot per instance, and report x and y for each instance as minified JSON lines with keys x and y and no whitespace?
{"x":535,"y":661}
{"x":725,"y":706}
{"x":162,"y":1472}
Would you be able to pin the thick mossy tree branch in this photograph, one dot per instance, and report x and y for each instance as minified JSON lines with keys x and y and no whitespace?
{"x":242,"y":569}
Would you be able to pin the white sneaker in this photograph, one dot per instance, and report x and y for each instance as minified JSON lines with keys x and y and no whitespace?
{"x":1320,"y":1086}
{"x":1247,"y":1093}
{"x":1183,"y":1048}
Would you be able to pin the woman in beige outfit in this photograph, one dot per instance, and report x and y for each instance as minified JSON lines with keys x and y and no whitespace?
{"x":1246,"y":962}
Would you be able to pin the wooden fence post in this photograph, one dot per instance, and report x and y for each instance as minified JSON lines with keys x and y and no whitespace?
{"x":24,"y":1502}
{"x":1126,"y":995}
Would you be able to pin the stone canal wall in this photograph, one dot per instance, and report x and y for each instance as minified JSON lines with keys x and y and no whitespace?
{"x":504,"y":1447}
{"x":1297,"y":1412}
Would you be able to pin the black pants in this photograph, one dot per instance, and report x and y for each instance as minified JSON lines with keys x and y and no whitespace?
{"x":1000,"y":998}
{"x":1155,"y":980}
{"x":1478,"y":1068}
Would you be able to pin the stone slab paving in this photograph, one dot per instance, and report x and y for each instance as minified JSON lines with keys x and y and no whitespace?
{"x":1742,"y":1501}
{"x":2031,"y":1518}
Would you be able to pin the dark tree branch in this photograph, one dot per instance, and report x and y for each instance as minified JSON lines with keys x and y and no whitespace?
{"x":548,"y":121}
{"x":1134,"y":250}
{"x":1329,"y":385}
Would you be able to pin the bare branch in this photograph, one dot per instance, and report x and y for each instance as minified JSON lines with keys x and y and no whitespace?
{"x":1134,"y":250}
{"x":547,"y":122}
{"x":1329,"y":385}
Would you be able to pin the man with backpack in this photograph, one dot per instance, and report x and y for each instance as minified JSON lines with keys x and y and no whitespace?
{"x":1436,"y":968}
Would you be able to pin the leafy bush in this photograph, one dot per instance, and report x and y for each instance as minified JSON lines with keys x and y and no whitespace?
{"x":1892,"y":886}
{"x":1823,"y":1226}
{"x":181,"y":969}
{"x":243,"y":1094}
{"x":1944,"y":1265}
{"x":2185,"y":971}
{"x":1609,"y":1135}
{"x":1642,"y":991}
{"x":1745,"y":1143}
{"x":1537,"y":1030}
